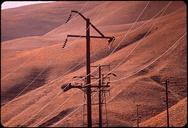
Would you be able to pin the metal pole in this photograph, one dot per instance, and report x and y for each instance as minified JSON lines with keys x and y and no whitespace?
{"x":100,"y":99}
{"x":88,"y":78}
{"x":167,"y":112}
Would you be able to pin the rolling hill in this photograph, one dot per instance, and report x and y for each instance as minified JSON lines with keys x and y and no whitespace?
{"x":178,"y":114}
{"x":149,"y":50}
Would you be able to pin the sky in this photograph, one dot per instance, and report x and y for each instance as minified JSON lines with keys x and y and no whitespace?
{"x":13,"y":4}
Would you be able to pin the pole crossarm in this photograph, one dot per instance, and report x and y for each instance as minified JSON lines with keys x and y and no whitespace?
{"x":81,"y":36}
{"x":110,"y":39}
{"x":101,"y":65}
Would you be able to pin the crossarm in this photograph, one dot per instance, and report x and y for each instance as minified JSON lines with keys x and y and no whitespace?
{"x":110,"y":39}
{"x":105,"y":37}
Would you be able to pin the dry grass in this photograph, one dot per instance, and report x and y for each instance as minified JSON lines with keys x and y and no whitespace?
{"x":143,"y":87}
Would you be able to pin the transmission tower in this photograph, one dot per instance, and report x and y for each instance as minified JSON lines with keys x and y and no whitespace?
{"x":88,"y":77}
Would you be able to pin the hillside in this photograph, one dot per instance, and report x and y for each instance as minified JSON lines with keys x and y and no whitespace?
{"x":178,"y":114}
{"x":146,"y":55}
{"x":36,"y":20}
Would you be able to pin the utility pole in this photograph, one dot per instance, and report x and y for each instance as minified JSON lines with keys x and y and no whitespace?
{"x":167,"y":112}
{"x":100,"y":99}
{"x":88,"y":77}
{"x":167,"y":82}
{"x":102,"y":85}
{"x":166,"y":92}
{"x":137,"y":114}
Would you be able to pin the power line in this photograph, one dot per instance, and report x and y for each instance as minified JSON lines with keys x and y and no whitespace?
{"x":121,"y":62}
{"x":28,"y":85}
{"x":88,"y":72}
{"x":103,"y":85}
{"x":55,"y":95}
{"x":163,"y":8}
{"x":37,"y":75}
{"x":31,"y":57}
{"x":144,"y":68}
{"x":135,"y":21}
{"x":69,"y":18}
{"x":128,"y":30}
{"x":154,"y":59}
{"x":126,"y":33}
{"x":8,"y":74}
{"x":47,"y":104}
{"x":132,"y":26}
{"x":35,"y":125}
{"x":133,"y":48}
{"x":124,"y":78}
{"x":148,"y":64}
{"x":36,"y":78}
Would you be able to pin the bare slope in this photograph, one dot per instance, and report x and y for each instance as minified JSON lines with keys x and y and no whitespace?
{"x":142,"y":88}
{"x":138,"y":89}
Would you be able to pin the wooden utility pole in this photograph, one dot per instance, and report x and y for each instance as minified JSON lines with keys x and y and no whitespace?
{"x":166,"y":92}
{"x":100,"y":98}
{"x":88,"y":78}
{"x":137,"y":114}
{"x":167,"y":112}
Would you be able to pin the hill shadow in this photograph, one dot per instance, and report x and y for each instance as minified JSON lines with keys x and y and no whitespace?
{"x":58,"y":117}
{"x":103,"y":54}
{"x":36,"y":78}
{"x":134,"y":40}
